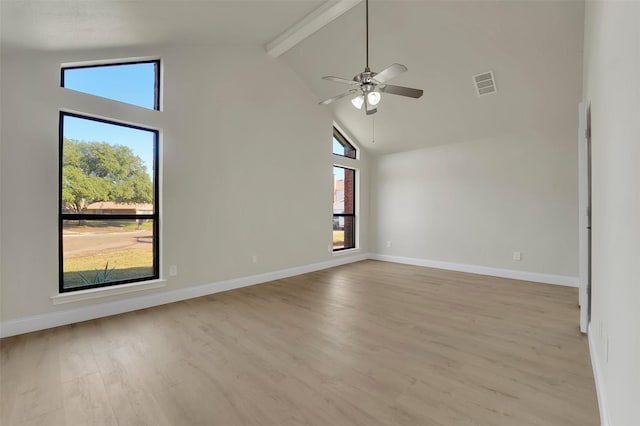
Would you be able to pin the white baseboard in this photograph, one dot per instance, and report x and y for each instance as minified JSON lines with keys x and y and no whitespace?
{"x":482,"y":270}
{"x":597,"y":377}
{"x":98,"y":310}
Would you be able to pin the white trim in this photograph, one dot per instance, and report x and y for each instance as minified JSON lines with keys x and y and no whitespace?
{"x":55,"y":319}
{"x":583,"y":215}
{"x":482,"y":270}
{"x":114,"y":121}
{"x":346,"y":252}
{"x":597,"y":377}
{"x":311,"y":23}
{"x":98,"y":310}
{"x":96,"y":293}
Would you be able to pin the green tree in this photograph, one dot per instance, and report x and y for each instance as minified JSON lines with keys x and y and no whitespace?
{"x":99,"y":171}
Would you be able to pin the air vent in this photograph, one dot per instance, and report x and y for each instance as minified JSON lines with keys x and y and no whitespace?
{"x":485,"y":83}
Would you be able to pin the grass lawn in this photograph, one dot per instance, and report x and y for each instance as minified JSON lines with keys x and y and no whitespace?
{"x":128,"y":264}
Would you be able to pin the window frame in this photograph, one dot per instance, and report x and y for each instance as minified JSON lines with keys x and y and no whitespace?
{"x":156,"y":85}
{"x":342,"y":140}
{"x":353,"y":208}
{"x":155,"y":216}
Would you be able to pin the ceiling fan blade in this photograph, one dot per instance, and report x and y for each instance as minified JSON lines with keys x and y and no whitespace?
{"x":340,"y":96}
{"x":389,"y":73}
{"x":400,"y":90}
{"x":339,"y":79}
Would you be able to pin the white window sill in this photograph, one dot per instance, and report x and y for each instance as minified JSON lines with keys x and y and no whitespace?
{"x":96,"y":293}
{"x":346,"y":251}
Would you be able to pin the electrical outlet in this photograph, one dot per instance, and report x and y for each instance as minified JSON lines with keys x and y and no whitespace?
{"x":517,"y":255}
{"x":254,"y":259}
{"x":388,"y":243}
{"x":173,"y":270}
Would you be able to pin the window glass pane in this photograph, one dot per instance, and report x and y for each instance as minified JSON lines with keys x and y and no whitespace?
{"x":107,"y":168}
{"x":343,"y":190}
{"x":337,"y":147}
{"x":102,"y":251}
{"x":135,"y":84}
{"x":343,"y":232}
{"x":341,"y":146}
{"x":343,"y":208}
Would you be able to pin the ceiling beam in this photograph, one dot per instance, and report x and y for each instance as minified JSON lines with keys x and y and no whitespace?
{"x":311,"y":23}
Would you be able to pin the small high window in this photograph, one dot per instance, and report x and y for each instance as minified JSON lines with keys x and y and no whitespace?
{"x":135,"y":83}
{"x":341,"y":146}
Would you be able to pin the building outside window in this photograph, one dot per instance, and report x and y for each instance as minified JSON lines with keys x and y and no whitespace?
{"x":344,"y":193}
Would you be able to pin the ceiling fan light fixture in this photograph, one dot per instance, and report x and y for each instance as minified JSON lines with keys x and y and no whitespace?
{"x":358,"y":101}
{"x":368,"y":84}
{"x":373,"y":98}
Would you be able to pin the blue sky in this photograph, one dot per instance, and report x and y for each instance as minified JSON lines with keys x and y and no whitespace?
{"x":337,"y":147}
{"x":131,"y":83}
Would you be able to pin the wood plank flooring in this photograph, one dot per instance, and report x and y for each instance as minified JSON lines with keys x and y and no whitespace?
{"x":370,"y":343}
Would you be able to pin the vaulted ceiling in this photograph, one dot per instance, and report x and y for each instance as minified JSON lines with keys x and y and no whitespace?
{"x":86,"y":24}
{"x":534,"y":48}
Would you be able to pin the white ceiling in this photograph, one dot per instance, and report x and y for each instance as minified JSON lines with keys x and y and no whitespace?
{"x":534,"y":48}
{"x":85,"y":24}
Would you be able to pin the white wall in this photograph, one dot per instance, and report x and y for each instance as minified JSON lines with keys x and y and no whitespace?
{"x":508,"y":182}
{"x":246,"y":169}
{"x":611,"y":73}
{"x":475,"y":203}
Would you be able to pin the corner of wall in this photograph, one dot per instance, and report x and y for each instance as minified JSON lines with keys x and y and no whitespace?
{"x":598,"y":378}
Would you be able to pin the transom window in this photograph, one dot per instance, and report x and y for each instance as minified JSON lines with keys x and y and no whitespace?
{"x":135,"y":83}
{"x":341,"y":146}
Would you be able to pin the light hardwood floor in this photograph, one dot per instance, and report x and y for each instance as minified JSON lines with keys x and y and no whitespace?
{"x":371,"y":343}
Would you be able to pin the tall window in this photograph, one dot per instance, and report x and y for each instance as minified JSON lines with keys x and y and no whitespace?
{"x":108,"y":179}
{"x":344,"y":193}
{"x":344,"y":208}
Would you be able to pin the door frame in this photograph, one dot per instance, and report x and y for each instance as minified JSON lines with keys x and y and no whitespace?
{"x":584,"y":215}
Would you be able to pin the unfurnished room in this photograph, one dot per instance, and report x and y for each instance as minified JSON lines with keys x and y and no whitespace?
{"x":320,"y":212}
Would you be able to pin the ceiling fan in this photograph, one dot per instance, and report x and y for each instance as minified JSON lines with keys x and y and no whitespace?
{"x":368,"y":85}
